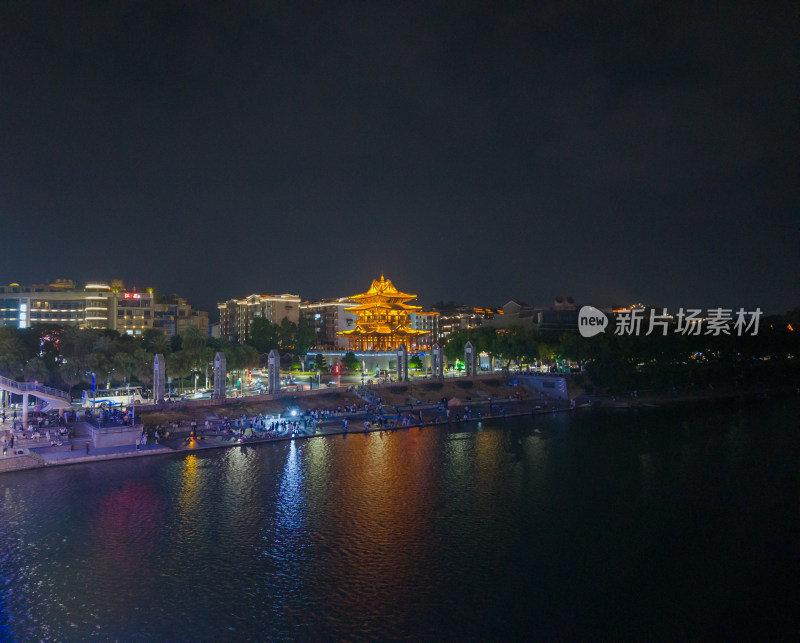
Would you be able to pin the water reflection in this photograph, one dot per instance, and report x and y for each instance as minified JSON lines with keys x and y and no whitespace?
{"x":126,"y":529}
{"x":506,"y":532}
{"x":189,"y":520}
{"x":290,"y":505}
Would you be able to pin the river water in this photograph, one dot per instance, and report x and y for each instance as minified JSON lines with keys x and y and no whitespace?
{"x":666,"y":523}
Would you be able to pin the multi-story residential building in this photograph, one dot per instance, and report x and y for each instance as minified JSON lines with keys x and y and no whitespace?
{"x":427,"y":322}
{"x":174,"y":315}
{"x":328,"y":317}
{"x":236,"y":315}
{"x":454,"y":317}
{"x":515,"y":313}
{"x":56,"y":303}
{"x":97,"y":305}
{"x":553,"y":320}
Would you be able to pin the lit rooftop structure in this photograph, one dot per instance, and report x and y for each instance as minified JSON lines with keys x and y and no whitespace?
{"x":383,"y":322}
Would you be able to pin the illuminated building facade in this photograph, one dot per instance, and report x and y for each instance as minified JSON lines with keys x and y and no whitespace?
{"x":236,"y":315}
{"x":383,"y":320}
{"x":98,"y":306}
{"x":453,"y":317}
{"x":327,"y":317}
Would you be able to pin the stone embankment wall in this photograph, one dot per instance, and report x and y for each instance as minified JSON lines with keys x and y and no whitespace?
{"x":20,"y":462}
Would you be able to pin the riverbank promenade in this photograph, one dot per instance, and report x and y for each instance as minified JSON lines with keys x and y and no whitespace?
{"x":30,"y":454}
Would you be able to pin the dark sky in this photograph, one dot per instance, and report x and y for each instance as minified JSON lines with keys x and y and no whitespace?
{"x":480,"y":152}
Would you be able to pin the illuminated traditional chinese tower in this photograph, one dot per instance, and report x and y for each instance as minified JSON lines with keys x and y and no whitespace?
{"x":383,"y":322}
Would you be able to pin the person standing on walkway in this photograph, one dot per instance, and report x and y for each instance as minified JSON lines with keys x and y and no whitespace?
{"x":87,"y":448}
{"x":5,"y":446}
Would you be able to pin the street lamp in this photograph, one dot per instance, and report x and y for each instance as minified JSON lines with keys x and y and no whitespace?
{"x":133,"y":405}
{"x":94,"y":389}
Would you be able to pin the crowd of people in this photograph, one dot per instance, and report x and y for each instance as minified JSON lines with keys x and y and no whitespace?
{"x":52,"y":429}
{"x":368,"y":414}
{"x":114,"y":416}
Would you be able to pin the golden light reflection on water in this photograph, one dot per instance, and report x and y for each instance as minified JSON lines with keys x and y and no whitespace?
{"x":189,"y":489}
{"x":404,"y":534}
{"x":190,"y":520}
{"x":458,"y":448}
{"x":384,"y":515}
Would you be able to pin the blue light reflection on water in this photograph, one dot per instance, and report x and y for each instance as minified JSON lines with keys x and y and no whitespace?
{"x":676,"y":522}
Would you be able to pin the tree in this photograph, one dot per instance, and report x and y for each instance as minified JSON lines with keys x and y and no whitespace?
{"x":575,"y":348}
{"x":486,"y":341}
{"x":415,"y":363}
{"x":350,"y":361}
{"x":71,"y":372}
{"x":75,"y":343}
{"x":49,"y":338}
{"x":30,"y":340}
{"x":264,"y":335}
{"x":36,"y":370}
{"x":12,"y":353}
{"x":287,"y":334}
{"x":304,"y":336}
{"x":239,"y":357}
{"x":100,"y":365}
{"x":319,"y":362}
{"x":193,"y":340}
{"x":143,"y":366}
{"x":103,"y":344}
{"x":250,"y":357}
{"x":516,"y":344}
{"x":546,"y":352}
{"x":155,"y":341}
{"x":121,"y":366}
{"x":456,"y":341}
{"x":178,"y":366}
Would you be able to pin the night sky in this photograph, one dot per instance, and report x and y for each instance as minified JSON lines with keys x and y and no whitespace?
{"x":479,"y":152}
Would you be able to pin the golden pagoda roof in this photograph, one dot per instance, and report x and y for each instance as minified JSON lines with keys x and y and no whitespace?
{"x":383,"y":289}
{"x":384,"y":305}
{"x":381,"y":329}
{"x":383,"y":314}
